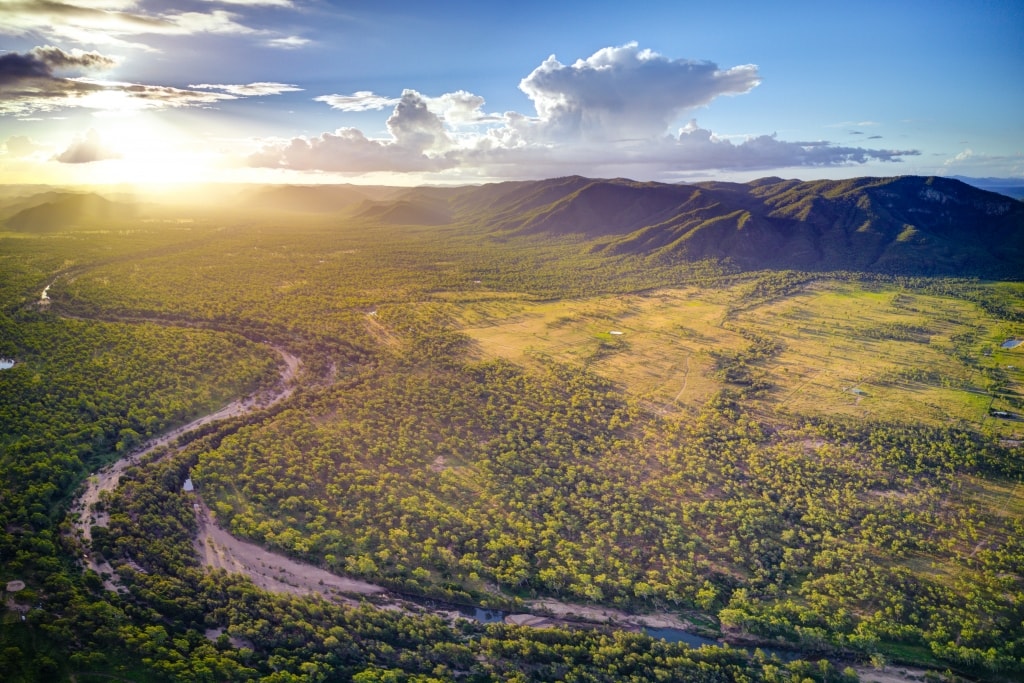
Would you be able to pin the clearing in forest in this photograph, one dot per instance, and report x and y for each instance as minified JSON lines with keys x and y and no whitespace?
{"x":872,"y":352}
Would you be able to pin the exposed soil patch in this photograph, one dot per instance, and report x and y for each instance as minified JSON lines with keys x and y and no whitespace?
{"x":608,"y":615}
{"x":83,"y":511}
{"x":891,"y":674}
{"x":270,"y":571}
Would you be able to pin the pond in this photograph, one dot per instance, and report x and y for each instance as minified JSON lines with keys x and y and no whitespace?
{"x":1011,"y":343}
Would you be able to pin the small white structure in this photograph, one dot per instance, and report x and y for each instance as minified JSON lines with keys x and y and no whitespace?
{"x":189,"y":487}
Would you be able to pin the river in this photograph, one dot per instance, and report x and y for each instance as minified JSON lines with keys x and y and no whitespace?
{"x":83,"y":510}
{"x":274,"y":572}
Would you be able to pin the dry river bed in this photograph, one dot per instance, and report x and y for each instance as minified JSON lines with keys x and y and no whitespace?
{"x":84,"y":512}
{"x":270,"y":571}
{"x":218,"y":549}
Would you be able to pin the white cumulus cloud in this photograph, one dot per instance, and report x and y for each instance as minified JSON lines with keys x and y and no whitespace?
{"x":20,"y":146}
{"x":417,"y":143}
{"x":87,"y":149}
{"x":461,"y":107}
{"x":610,"y":113}
{"x":625,"y":92}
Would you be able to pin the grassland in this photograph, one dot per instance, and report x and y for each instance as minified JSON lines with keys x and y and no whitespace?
{"x":869,"y":351}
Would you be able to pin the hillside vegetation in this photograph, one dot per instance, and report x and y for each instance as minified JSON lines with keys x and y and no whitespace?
{"x":520,"y":391}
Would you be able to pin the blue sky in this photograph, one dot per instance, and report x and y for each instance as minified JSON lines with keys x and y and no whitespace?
{"x":455,"y":92}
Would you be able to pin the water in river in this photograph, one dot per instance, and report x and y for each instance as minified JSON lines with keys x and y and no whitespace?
{"x":676,"y":635}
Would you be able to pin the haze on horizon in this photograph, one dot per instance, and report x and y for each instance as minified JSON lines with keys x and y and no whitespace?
{"x":306,"y":91}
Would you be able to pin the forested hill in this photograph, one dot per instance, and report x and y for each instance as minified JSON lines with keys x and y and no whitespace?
{"x":909,"y":225}
{"x":906,"y":224}
{"x":52,"y":211}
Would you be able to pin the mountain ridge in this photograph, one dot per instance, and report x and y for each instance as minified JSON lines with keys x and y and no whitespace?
{"x":903,"y":224}
{"x":919,"y":225}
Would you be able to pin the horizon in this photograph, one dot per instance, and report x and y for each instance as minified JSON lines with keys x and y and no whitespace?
{"x":308,"y":92}
{"x":156,"y":187}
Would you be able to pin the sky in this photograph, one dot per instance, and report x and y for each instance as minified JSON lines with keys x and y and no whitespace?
{"x":313,"y":91}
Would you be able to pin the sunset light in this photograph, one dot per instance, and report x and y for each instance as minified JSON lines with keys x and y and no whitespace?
{"x":283,"y":89}
{"x":547,"y":341}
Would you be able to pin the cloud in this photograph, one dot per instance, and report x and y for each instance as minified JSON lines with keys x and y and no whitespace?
{"x":972,"y":163}
{"x":56,"y":58}
{"x":136,"y":96}
{"x":417,"y":143}
{"x":39,"y":64}
{"x":625,"y":92}
{"x":693,"y":149}
{"x":964,"y":156}
{"x":20,"y":146}
{"x":414,"y":126}
{"x":346,"y":150}
{"x":251,"y":89}
{"x":288,"y":42}
{"x":86,"y":150}
{"x":457,"y":108}
{"x":29,"y":83}
{"x":363,"y":100}
{"x":257,"y":3}
{"x":609,"y":113}
{"x":853,"y":124}
{"x":217,"y":21}
{"x":460,"y":108}
{"x":697,"y":148}
{"x":119,"y":22}
{"x":96,"y":22}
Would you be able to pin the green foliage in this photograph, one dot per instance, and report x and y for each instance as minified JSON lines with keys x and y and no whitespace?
{"x":408,"y":459}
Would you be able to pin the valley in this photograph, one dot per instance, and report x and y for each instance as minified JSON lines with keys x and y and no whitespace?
{"x":574,"y":394}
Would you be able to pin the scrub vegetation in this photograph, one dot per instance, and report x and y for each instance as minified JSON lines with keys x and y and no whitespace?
{"x":823,"y":461}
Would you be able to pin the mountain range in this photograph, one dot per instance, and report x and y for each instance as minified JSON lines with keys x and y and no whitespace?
{"x":906,"y":224}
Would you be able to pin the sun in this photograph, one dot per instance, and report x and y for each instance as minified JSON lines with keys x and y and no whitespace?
{"x":146,"y":150}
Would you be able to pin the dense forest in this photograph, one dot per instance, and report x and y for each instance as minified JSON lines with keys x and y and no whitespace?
{"x":825,"y":465}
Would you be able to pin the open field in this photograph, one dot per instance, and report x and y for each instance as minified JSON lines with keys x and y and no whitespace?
{"x":842,"y":348}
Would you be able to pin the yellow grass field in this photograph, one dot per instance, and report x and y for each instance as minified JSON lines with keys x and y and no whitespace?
{"x":846,"y":348}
